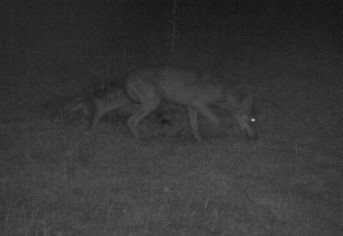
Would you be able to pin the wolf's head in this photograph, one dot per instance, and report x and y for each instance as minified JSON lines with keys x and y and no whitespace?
{"x":245,"y":116}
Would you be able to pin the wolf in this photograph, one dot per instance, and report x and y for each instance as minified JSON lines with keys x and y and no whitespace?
{"x":197,"y":91}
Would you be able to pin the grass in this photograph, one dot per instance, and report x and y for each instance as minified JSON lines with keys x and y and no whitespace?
{"x":64,"y":179}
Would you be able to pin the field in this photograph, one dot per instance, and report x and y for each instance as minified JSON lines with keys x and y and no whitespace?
{"x":58,"y":177}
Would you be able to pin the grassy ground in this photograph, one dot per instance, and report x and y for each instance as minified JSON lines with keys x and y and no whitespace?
{"x":64,"y":179}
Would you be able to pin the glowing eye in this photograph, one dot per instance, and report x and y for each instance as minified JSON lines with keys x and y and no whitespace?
{"x":253,"y":120}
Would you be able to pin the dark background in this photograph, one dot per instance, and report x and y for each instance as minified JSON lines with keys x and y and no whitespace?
{"x":36,"y":34}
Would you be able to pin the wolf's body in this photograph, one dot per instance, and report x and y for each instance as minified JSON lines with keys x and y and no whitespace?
{"x":197,"y":91}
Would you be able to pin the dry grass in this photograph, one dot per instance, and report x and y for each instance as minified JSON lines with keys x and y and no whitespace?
{"x":67,"y":180}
